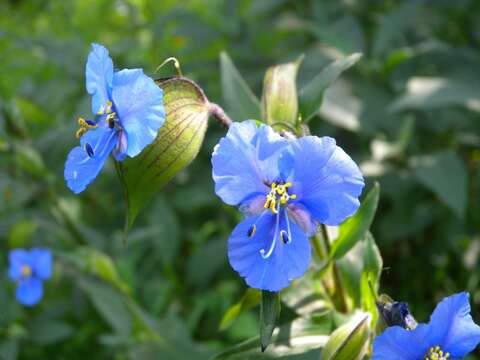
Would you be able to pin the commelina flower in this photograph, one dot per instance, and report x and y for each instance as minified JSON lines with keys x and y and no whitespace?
{"x":451,"y":334}
{"x":129,"y":111}
{"x":285,"y":188}
{"x":28,"y":269}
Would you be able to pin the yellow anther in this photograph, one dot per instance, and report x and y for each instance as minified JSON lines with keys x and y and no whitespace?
{"x":108,"y":109}
{"x":26,"y":270}
{"x":436,"y":353}
{"x":80,"y":132}
{"x":101,"y":111}
{"x":278,"y":194}
{"x":83,"y":123}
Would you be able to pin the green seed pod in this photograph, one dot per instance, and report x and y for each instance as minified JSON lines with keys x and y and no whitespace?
{"x":349,"y":341}
{"x":279,"y":98}
{"x":176,"y":145}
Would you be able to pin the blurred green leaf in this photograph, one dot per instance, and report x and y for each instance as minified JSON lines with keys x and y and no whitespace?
{"x":350,"y":341}
{"x":297,"y":337}
{"x":279,"y":97}
{"x":50,"y":332}
{"x":355,"y":228}
{"x":424,"y":93}
{"x":372,"y":269}
{"x":444,"y":173}
{"x":20,"y":234}
{"x":250,"y":299}
{"x":29,"y":160}
{"x":110,"y":305}
{"x":176,"y":145}
{"x":241,"y":103}
{"x":269,"y":313}
{"x":311,"y":95}
{"x":9,"y":349}
{"x":393,"y":26}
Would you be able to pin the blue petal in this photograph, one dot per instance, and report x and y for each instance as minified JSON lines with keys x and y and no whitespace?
{"x":99,"y":74}
{"x":29,"y":291}
{"x":454,"y":326}
{"x":139,"y":104}
{"x":42,"y":263}
{"x":17,"y":259}
{"x":397,"y":343}
{"x":325,"y":179}
{"x":287,"y":262}
{"x":245,"y":161}
{"x":80,"y":168}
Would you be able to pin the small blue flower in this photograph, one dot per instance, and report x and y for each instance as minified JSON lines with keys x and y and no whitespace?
{"x":451,"y":334}
{"x":28,"y":269}
{"x":129,"y":111}
{"x":285,"y":188}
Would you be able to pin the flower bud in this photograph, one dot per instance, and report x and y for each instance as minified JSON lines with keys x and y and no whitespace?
{"x":279,"y":99}
{"x":175,"y":146}
{"x":349,"y":341}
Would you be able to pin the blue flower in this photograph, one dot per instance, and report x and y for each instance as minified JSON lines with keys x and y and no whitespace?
{"x":285,"y":188}
{"x":128,"y":108}
{"x":451,"y":334}
{"x":28,"y":269}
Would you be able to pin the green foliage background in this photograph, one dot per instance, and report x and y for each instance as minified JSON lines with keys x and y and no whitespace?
{"x":408,"y":113}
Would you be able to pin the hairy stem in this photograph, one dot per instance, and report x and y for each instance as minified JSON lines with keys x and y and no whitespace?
{"x":219,"y":114}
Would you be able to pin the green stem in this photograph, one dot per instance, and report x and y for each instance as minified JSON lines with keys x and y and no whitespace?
{"x":337,"y":279}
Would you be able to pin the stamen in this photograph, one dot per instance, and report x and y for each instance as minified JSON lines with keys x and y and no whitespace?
{"x":80,"y":132}
{"x":278,"y":194}
{"x":89,"y":150}
{"x":436,"y":353}
{"x":85,"y":125}
{"x":274,"y":241}
{"x":108,"y":109}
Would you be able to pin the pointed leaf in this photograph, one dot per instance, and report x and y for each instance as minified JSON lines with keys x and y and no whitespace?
{"x":311,"y":94}
{"x":355,"y":228}
{"x":176,"y":145}
{"x":444,"y":173}
{"x":269,"y":313}
{"x":297,"y":337}
{"x":349,"y":342}
{"x":241,"y":102}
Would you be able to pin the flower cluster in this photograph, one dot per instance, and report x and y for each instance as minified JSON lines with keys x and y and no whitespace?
{"x":29,"y":269}
{"x":129,"y":111}
{"x":284,"y":188}
{"x":451,"y":334}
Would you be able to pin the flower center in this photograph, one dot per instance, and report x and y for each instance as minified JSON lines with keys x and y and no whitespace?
{"x":110,"y":118}
{"x":278,"y":195}
{"x":26,"y":271}
{"x":436,"y":353}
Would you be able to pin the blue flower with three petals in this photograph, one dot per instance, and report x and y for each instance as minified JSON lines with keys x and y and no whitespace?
{"x":451,"y":334}
{"x":129,"y":111}
{"x":28,"y":269}
{"x":285,"y":188}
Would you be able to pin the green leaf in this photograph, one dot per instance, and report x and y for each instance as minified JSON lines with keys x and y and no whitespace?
{"x":393,"y":26}
{"x":176,"y":145}
{"x":298,"y":337}
{"x":349,"y":342}
{"x":249,"y":299}
{"x":240,"y":101}
{"x":311,"y":94}
{"x":110,"y":305}
{"x":279,"y":98}
{"x":269,"y":313}
{"x":50,"y":331}
{"x":355,"y":228}
{"x":445,"y":174}
{"x":424,"y":93}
